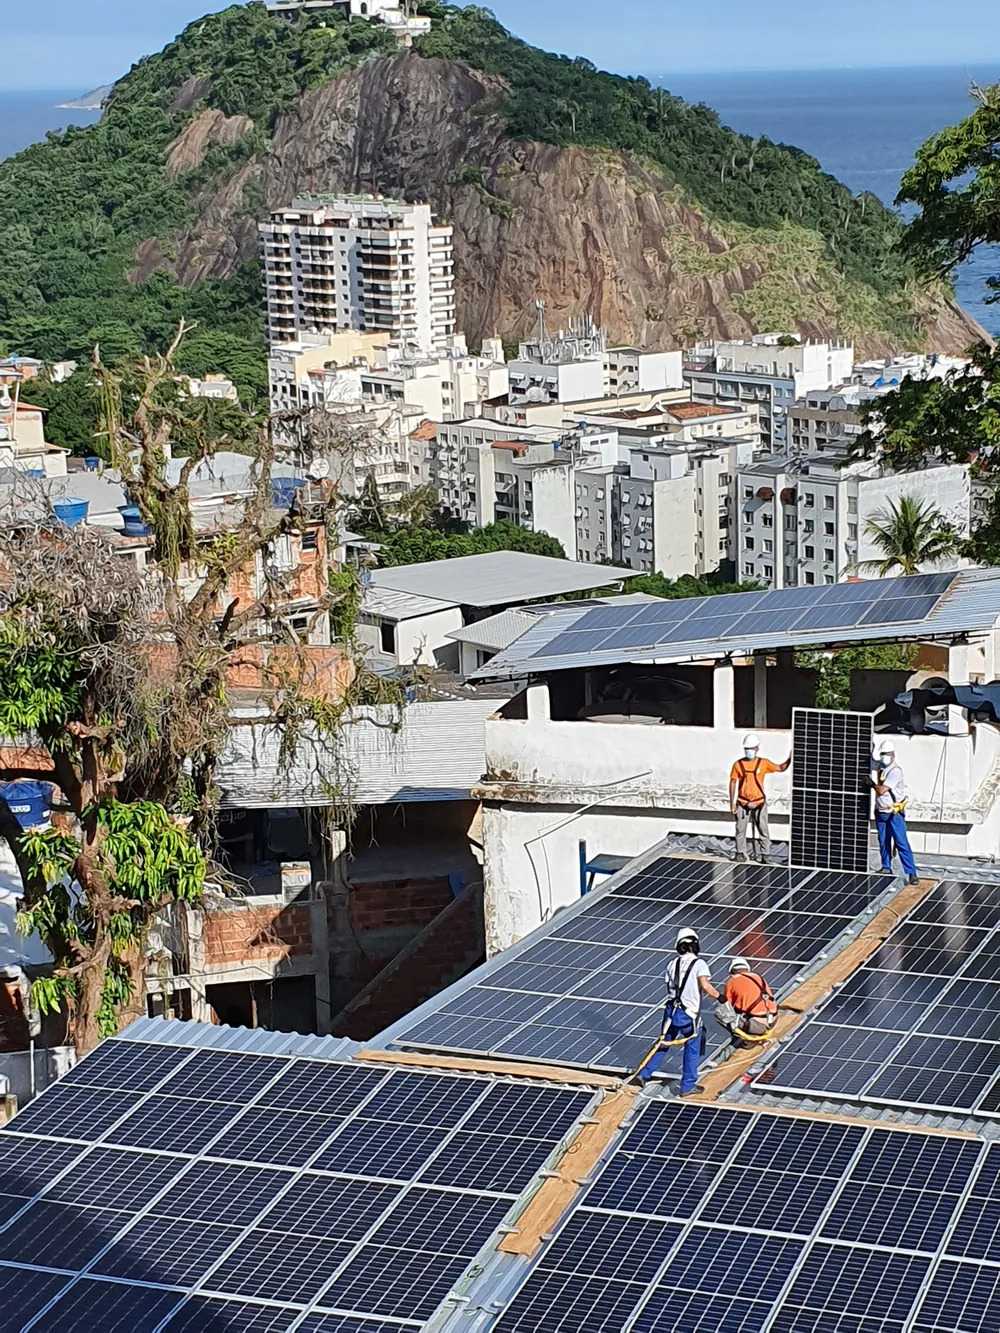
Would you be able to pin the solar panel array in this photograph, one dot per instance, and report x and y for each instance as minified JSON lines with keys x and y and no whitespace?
{"x":162,"y":1187}
{"x":919,"y":1025}
{"x":831,"y":788}
{"x":707,"y":1220}
{"x":589,"y":989}
{"x":749,"y":615}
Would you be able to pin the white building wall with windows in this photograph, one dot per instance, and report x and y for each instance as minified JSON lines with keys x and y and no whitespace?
{"x":337,"y":262}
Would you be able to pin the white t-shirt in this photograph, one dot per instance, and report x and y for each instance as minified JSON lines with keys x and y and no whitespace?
{"x":685,"y":966}
{"x":892,"y":777}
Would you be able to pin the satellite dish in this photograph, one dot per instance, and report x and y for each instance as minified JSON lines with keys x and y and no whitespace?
{"x":318,"y":469}
{"x":536,"y":394}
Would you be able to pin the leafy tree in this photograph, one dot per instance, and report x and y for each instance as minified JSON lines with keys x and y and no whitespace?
{"x":956,"y":419}
{"x":687,"y":585}
{"x":114,"y":685}
{"x":408,"y":546}
{"x":910,"y":536}
{"x":833,"y":687}
{"x":370,"y":510}
{"x":71,"y":409}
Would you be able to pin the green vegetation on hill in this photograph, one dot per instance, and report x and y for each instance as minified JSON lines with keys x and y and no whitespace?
{"x":74,"y":209}
{"x":732,"y":176}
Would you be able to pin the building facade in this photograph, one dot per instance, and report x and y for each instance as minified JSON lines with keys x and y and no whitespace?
{"x":338,"y":262}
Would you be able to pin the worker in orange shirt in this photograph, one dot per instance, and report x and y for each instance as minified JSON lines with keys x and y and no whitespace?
{"x":748,"y":1003}
{"x":747,"y":798}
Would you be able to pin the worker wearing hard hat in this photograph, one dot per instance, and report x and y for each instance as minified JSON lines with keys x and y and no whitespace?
{"x":748,"y":1005}
{"x":688,"y":978}
{"x":890,"y":811}
{"x":747,"y":798}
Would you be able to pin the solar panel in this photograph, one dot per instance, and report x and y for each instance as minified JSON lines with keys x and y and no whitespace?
{"x":589,"y":988}
{"x":919,"y":1025}
{"x":831,"y":788}
{"x":272,"y":1216}
{"x":728,"y":1220}
{"x":613,"y":629}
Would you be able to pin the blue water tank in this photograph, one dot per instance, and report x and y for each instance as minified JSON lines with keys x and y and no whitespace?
{"x":72,"y":511}
{"x":30,"y":802}
{"x":34,"y":472}
{"x":133,"y":520}
{"x":91,"y":463}
{"x":283,"y":491}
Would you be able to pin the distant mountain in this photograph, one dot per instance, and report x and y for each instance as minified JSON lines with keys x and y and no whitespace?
{"x":89,"y":101}
{"x":596,"y":193}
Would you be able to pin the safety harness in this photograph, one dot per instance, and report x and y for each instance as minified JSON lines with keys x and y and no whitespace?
{"x":765,"y":994}
{"x":898,"y":807}
{"x":745,"y":772}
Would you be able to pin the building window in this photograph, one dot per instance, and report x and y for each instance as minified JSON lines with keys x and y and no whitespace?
{"x":827,"y":501}
{"x":768,"y":571}
{"x":768,"y":520}
{"x":747,"y":492}
{"x":809,"y":526}
{"x":828,"y":555}
{"x":748,"y":569}
{"x":810,"y":579}
{"x":852,"y":532}
{"x":828,"y":578}
{"x":748,"y":543}
{"x":810,"y":500}
{"x":768,"y":546}
{"x":852,"y":506}
{"x":828,"y":529}
{"x":724,"y":479}
{"x":387,"y":637}
{"x":810,"y":552}
{"x":310,"y":540}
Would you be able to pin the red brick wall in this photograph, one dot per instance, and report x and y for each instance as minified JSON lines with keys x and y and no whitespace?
{"x":251,"y":934}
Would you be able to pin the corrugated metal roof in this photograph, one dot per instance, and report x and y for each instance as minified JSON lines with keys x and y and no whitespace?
{"x":254,"y":1041}
{"x":400,"y":605}
{"x":972,"y":604}
{"x":497,"y":631}
{"x":496,"y":578}
{"x":439,"y":754}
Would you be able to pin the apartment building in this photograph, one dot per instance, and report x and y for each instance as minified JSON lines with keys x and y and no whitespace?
{"x":337,"y":262}
{"x":23,"y":445}
{"x":638,"y":370}
{"x":802,"y":521}
{"x":772,"y":371}
{"x":395,"y":14}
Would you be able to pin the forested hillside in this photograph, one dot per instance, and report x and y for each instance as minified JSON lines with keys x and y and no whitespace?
{"x":98,"y":225}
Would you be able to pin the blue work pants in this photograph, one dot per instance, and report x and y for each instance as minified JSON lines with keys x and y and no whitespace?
{"x":693,"y":1049}
{"x":892,"y":835}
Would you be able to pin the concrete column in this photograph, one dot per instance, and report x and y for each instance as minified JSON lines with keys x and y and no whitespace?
{"x":760,"y":690}
{"x":200,"y":1009}
{"x":724,"y":697}
{"x":958,"y":674}
{"x":538,"y":703}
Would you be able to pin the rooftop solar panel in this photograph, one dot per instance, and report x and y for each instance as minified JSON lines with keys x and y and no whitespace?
{"x":756,"y":1221}
{"x":831,"y":788}
{"x":589,"y":989}
{"x":919,"y":1025}
{"x":205,"y":1238}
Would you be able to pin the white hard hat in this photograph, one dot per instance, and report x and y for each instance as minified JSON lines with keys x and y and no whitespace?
{"x":686,"y":933}
{"x":751,"y":741}
{"x":739,"y":965}
{"x":887,"y":747}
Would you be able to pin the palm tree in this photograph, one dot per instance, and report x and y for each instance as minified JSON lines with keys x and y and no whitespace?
{"x":909,"y":535}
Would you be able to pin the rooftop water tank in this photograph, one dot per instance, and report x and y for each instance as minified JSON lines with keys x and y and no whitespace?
{"x":71,"y":511}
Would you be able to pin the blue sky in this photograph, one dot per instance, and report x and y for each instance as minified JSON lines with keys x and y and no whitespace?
{"x":81,"y":43}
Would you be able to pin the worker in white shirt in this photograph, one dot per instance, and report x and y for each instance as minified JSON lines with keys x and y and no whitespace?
{"x":890,"y":812}
{"x":688,"y":979}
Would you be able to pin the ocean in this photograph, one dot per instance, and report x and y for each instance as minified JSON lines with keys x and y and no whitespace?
{"x":863,"y":125}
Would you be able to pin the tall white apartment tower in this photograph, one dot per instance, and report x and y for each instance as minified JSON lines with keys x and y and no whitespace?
{"x":336,"y":262}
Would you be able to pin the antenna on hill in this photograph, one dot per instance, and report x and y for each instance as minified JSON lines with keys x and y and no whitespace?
{"x":540,"y":307}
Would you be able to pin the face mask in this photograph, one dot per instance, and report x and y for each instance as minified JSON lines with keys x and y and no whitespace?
{"x":749,"y":754}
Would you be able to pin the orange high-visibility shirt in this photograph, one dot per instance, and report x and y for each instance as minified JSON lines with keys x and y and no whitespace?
{"x":750,"y":774}
{"x":750,"y":994}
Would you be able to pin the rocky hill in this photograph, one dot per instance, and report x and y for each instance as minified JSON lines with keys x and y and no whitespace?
{"x":596,"y":193}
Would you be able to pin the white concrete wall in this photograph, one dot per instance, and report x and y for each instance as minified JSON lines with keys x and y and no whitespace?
{"x":581,"y":379}
{"x":553,"y":492}
{"x":660,"y":370}
{"x":675,"y":526}
{"x":424,"y":641}
{"x":948,"y":489}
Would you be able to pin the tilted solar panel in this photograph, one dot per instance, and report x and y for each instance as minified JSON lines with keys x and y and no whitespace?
{"x":919,"y":1025}
{"x":831,"y":788}
{"x":319,"y":1194}
{"x":706,"y":1219}
{"x":589,"y":989}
